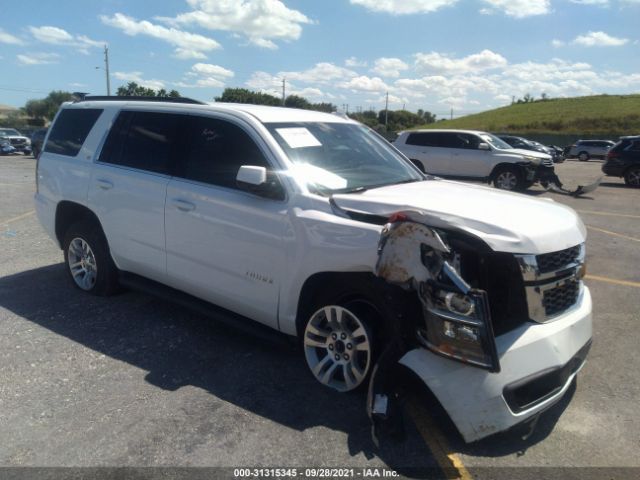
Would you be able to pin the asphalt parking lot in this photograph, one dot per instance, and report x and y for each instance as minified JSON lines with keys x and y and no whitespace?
{"x":134,"y":381}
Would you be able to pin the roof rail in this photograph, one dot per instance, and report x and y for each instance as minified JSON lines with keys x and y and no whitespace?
{"x":112,"y":98}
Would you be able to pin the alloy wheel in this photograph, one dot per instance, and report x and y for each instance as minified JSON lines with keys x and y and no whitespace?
{"x":506,"y":180}
{"x":82,"y":264}
{"x":338,"y":347}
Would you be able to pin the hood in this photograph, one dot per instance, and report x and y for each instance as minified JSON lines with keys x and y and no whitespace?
{"x":528,"y":153}
{"x":507,"y":222}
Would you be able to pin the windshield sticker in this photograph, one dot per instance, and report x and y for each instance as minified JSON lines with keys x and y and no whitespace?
{"x":298,"y":137}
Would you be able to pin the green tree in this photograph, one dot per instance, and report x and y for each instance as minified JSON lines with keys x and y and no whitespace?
{"x":243,"y":95}
{"x":132,"y":89}
{"x":46,"y":108}
{"x":295,"y":101}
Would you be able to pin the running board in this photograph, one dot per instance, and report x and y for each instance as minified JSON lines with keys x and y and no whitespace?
{"x":218,"y":314}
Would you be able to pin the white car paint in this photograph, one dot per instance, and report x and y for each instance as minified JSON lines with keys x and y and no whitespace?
{"x":253,"y":256}
{"x":463,"y":162}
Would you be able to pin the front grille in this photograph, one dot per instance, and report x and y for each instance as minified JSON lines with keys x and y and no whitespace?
{"x":18,"y":141}
{"x":551,"y":262}
{"x":558,"y":299}
{"x":552,"y":281}
{"x":547,"y":162}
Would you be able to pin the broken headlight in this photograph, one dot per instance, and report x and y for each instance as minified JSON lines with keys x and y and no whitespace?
{"x":458,"y":322}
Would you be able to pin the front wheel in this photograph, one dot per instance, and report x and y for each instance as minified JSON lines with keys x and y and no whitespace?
{"x":583,"y":156}
{"x":88,"y":260}
{"x":508,"y":178}
{"x":339,"y":346}
{"x":632,"y":177}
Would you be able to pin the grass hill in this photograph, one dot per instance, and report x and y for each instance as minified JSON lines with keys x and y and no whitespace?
{"x":593,"y":115}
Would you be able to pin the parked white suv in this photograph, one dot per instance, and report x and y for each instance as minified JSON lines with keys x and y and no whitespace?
{"x":583,"y":150}
{"x":476,"y":155}
{"x":313,"y":225}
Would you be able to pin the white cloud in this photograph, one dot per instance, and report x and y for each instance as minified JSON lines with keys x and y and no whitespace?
{"x":591,"y":2}
{"x":260,"y":21}
{"x":437,"y":62}
{"x":598,"y":39}
{"x":518,"y":8}
{"x":207,"y":75}
{"x":137,"y":78}
{"x":557,"y":43}
{"x":353,"y":62}
{"x":10,"y":39}
{"x":403,"y":7}
{"x":78,"y":85}
{"x":366,"y":84}
{"x":321,"y":73}
{"x":38,"y":58}
{"x":389,"y":67}
{"x":58,"y":36}
{"x":187,"y":45}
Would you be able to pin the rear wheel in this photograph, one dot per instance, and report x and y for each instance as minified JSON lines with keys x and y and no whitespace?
{"x":508,"y":178}
{"x":583,"y":156}
{"x":88,"y":260}
{"x":632,"y":177}
{"x":339,"y":344}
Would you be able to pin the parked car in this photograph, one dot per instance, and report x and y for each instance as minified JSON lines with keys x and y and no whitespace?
{"x":623,"y":160}
{"x":474,"y":154}
{"x":316,"y":227}
{"x":559,"y":153}
{"x":5,"y":147}
{"x":525,"y":144}
{"x":37,"y":139}
{"x":586,"y":149}
{"x":16,"y":139}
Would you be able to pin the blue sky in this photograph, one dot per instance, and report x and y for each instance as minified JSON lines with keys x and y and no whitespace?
{"x":469,"y":55}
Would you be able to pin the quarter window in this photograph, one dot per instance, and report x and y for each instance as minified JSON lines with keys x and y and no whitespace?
{"x":70,"y":130}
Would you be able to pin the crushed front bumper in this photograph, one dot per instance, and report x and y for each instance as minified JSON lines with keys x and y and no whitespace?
{"x":475,"y":398}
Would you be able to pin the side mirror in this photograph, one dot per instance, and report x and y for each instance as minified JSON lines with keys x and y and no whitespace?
{"x":257,"y":181}
{"x":483,"y":146}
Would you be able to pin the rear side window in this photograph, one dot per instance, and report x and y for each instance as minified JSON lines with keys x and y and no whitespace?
{"x":217,"y":150}
{"x":423,"y":139}
{"x":70,"y":130}
{"x":143,"y":140}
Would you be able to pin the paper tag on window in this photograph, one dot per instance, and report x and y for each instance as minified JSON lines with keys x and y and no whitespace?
{"x":298,"y":137}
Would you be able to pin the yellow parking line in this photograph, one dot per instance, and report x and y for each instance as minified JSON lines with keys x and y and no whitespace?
{"x":449,"y":462}
{"x":615,"y":281}
{"x":19,"y":217}
{"x":615,"y":234}
{"x":608,"y":214}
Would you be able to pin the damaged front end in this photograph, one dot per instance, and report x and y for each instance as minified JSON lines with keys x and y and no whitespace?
{"x":455,"y":316}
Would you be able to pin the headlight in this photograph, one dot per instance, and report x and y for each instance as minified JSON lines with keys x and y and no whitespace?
{"x":458,"y":322}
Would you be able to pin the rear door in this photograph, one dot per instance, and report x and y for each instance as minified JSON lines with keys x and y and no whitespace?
{"x":428,"y":148}
{"x":225,"y":245}
{"x":128,"y":189}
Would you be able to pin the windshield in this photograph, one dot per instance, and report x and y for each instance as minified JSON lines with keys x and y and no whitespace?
{"x":341,"y":157}
{"x":9,"y":131}
{"x":495,"y":142}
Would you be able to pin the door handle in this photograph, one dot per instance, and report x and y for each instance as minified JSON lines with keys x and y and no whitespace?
{"x":183,"y":205}
{"x":104,"y":184}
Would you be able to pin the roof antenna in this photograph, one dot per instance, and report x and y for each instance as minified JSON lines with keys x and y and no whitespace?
{"x":79,"y":96}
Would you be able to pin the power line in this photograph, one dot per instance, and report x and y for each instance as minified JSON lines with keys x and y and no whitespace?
{"x":13,"y":89}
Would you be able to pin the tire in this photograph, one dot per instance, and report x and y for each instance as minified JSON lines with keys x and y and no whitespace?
{"x":583,"y":156}
{"x":632,"y":177}
{"x":88,"y":260}
{"x":508,"y":178}
{"x":339,"y":344}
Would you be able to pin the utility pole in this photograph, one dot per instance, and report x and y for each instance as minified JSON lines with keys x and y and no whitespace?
{"x":284,"y":80}
{"x":386,"y":110}
{"x":106,"y":69}
{"x":451,"y":113}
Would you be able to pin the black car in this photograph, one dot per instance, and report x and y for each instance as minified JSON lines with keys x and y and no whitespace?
{"x":37,"y":139}
{"x":623,"y":160}
{"x":523,"y":143}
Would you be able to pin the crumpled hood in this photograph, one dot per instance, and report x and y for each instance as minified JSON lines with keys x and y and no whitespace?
{"x":507,"y":222}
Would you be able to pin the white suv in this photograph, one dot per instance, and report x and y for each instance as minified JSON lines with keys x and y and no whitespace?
{"x":315,"y":226}
{"x":475,"y":155}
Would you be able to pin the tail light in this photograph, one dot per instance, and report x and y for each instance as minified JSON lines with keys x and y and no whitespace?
{"x":611,"y":155}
